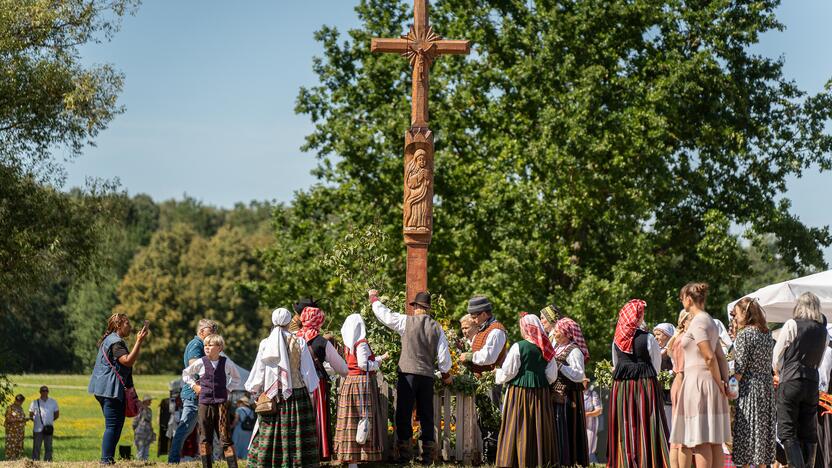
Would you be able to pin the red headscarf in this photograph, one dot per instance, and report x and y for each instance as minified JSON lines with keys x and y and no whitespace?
{"x":629,"y":319}
{"x":312,"y":318}
{"x":572,"y":331}
{"x":536,"y":334}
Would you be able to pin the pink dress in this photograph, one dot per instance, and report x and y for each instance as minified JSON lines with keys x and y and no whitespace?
{"x":678,"y":355}
{"x":701,"y":412}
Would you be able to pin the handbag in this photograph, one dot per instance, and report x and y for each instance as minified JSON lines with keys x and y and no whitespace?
{"x":362,"y":431}
{"x":48,"y":429}
{"x":132,"y":405}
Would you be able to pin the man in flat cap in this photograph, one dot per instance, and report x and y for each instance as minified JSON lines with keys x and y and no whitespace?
{"x":423,"y":343}
{"x":489,"y":347}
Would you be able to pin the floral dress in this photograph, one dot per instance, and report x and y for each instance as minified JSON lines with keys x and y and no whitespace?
{"x":15,"y":426}
{"x":754,"y":423}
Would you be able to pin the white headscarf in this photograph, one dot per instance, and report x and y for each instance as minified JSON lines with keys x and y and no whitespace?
{"x":276,"y":354}
{"x":352,"y":331}
{"x":666,"y":328}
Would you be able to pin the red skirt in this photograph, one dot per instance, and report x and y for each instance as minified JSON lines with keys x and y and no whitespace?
{"x":321,"y":399}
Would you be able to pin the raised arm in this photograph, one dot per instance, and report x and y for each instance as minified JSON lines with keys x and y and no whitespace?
{"x":393,"y":320}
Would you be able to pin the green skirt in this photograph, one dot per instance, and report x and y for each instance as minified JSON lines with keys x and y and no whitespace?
{"x":289,"y":438}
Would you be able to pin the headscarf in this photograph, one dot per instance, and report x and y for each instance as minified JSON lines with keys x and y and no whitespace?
{"x":666,"y":328}
{"x":276,"y":354}
{"x":572,"y":331}
{"x":535,"y":334}
{"x":311,"y":318}
{"x":629,"y":319}
{"x":551,"y":313}
{"x":353,"y":331}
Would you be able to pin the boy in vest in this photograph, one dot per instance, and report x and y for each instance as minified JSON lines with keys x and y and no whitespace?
{"x":423,"y":344}
{"x":216,"y":378}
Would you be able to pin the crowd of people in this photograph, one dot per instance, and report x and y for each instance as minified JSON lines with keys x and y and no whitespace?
{"x":550,"y":415}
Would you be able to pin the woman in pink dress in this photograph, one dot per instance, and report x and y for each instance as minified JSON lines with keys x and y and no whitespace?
{"x":677,"y":355}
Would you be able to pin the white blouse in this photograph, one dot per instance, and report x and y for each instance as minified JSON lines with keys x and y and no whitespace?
{"x":511,"y":366}
{"x":574,"y":367}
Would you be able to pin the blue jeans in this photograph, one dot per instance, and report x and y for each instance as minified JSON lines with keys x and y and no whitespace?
{"x":113,"y":410}
{"x":187,"y":423}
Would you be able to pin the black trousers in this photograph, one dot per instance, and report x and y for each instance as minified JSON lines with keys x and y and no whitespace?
{"x":414,"y":389}
{"x":797,"y":411}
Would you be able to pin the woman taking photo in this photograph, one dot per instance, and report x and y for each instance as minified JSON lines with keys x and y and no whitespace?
{"x":754,"y":420}
{"x":112,"y":374}
{"x":705,"y":425}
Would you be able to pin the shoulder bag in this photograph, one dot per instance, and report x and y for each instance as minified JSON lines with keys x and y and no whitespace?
{"x":362,"y":431}
{"x":48,"y":429}
{"x":132,"y":406}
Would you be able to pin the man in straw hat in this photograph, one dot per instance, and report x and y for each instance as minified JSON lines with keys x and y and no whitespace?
{"x":423,"y":343}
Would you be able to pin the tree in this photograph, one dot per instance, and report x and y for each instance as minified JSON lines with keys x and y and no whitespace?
{"x":587,"y":152}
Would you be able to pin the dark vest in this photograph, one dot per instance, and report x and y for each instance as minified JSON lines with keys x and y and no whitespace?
{"x":803,"y":356}
{"x":479,"y":343}
{"x":564,"y":389}
{"x":636,"y":365}
{"x":419,"y":343}
{"x":532,"y":372}
{"x":213,"y":383}
{"x":317,"y":347}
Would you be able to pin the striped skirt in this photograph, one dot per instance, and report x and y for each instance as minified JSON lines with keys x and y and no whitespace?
{"x":345,"y":449}
{"x":288,"y":438}
{"x":527,"y":432}
{"x":638,"y":434}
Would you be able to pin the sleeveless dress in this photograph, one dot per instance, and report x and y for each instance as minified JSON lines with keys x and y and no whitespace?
{"x":702,"y":413}
{"x":637,"y":428}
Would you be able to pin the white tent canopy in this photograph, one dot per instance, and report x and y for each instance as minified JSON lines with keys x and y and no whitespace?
{"x":778,"y":300}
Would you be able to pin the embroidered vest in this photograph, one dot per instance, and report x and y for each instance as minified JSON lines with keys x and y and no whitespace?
{"x":213,"y":383}
{"x":479,"y":343}
{"x":563,"y":384}
{"x":352,"y":359}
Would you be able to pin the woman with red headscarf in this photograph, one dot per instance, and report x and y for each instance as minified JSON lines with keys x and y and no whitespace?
{"x":312,"y":319}
{"x":571,"y":355}
{"x":527,"y":431}
{"x":638,"y":431}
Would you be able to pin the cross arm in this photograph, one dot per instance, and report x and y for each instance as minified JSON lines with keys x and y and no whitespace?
{"x":398,"y":46}
{"x":444,"y":47}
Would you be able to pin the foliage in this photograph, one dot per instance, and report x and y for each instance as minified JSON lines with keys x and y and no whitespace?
{"x":603,"y":374}
{"x":587,"y":152}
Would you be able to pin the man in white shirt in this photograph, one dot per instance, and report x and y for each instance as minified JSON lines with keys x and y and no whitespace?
{"x":44,"y":412}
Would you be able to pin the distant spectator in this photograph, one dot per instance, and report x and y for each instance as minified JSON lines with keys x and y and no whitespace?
{"x":592,"y":411}
{"x":143,"y":435}
{"x":44,"y":412}
{"x":244,"y":419}
{"x":15,"y":425}
{"x":113,"y":372}
{"x":194,"y":351}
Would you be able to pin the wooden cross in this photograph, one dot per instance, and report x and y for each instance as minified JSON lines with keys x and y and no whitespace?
{"x":421,"y":45}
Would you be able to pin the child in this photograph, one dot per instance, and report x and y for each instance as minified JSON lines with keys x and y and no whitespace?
{"x":143,"y":429}
{"x":215,"y":380}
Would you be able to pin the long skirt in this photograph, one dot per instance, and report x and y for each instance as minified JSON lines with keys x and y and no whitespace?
{"x":321,"y":400}
{"x":288,"y":438}
{"x":350,"y":412}
{"x":638,"y":433}
{"x":823,"y":459}
{"x":527,"y":433}
{"x":570,"y":423}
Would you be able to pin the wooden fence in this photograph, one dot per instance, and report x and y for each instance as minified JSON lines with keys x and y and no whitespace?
{"x":458,"y":437}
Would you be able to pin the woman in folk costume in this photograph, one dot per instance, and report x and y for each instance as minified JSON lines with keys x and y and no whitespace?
{"x":549,"y":317}
{"x":358,"y":398}
{"x":527,"y":431}
{"x":284,"y":372}
{"x":312,"y":318}
{"x":571,"y":354}
{"x":637,"y":429}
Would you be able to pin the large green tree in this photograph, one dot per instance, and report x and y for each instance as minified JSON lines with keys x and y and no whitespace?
{"x":587,"y":152}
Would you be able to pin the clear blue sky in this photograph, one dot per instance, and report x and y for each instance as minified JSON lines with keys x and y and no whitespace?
{"x":210,"y":90}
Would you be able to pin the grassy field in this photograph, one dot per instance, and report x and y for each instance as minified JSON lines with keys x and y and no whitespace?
{"x":79,"y":429}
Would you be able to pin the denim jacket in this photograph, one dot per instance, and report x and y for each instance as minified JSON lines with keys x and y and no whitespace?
{"x":104,"y":382}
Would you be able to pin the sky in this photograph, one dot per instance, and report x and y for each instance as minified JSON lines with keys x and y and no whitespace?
{"x":210,"y":89}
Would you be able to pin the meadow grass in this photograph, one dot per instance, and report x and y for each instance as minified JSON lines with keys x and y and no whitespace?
{"x":79,"y":429}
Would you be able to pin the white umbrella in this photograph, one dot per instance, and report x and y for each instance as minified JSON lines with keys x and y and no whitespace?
{"x":778,"y":300}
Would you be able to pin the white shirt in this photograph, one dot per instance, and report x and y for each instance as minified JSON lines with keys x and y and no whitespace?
{"x":264,"y":374}
{"x":652,"y":347}
{"x":397,"y":322}
{"x":511,"y":366}
{"x":197,"y":369}
{"x":335,"y":361}
{"x":46,"y":415}
{"x":787,"y":336}
{"x":824,"y":369}
{"x":490,"y":351}
{"x":574,"y":367}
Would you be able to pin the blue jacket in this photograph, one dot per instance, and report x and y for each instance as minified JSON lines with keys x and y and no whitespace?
{"x":104,"y":382}
{"x":194,"y":350}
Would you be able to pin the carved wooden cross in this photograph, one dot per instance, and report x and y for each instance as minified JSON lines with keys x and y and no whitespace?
{"x":421,"y":45}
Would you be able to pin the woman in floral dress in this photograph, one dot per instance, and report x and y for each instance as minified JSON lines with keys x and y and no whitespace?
{"x":15,"y":426}
{"x":754,"y":423}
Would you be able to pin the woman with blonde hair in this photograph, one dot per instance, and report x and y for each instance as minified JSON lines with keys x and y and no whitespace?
{"x":754,"y":419}
{"x":704,"y":423}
